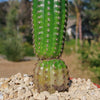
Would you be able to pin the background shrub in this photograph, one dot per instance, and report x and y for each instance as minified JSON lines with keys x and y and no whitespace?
{"x":28,"y":49}
{"x":13,"y":48}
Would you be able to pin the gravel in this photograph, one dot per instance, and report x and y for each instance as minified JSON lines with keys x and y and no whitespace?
{"x":21,"y":87}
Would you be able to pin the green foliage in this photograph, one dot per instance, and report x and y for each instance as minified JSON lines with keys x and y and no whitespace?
{"x":19,"y":16}
{"x":51,"y":75}
{"x":70,"y":47}
{"x":49,"y":18}
{"x":28,"y":49}
{"x":3,"y":13}
{"x":13,"y":48}
{"x":2,"y":47}
{"x":91,"y":55}
{"x":12,"y":18}
{"x":92,"y":14}
{"x":12,"y":39}
{"x":25,"y":20}
{"x":96,"y":70}
{"x":89,"y":10}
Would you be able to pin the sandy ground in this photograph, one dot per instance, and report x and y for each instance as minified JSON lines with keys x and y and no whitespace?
{"x":8,"y":68}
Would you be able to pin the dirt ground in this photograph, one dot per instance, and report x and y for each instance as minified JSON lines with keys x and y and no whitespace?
{"x":8,"y":68}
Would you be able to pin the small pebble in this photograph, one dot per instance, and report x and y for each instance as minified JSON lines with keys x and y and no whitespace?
{"x":1,"y":96}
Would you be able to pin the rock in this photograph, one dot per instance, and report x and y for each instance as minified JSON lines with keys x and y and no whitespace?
{"x":28,"y":93}
{"x":45,"y":93}
{"x":18,"y":76}
{"x":11,"y":95}
{"x":31,"y":98}
{"x":1,"y":83}
{"x":26,"y":80}
{"x":1,"y":96}
{"x":25,"y":75}
{"x":6,"y":96}
{"x":15,"y":94}
{"x":39,"y":97}
{"x":4,"y":85}
{"x":21,"y":91}
{"x":53,"y":97}
{"x":30,"y":83}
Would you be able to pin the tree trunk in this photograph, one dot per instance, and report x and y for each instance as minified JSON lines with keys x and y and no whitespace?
{"x":80,"y":30}
{"x":77,"y":26}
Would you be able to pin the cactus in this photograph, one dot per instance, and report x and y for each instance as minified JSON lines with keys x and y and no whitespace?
{"x":49,"y":24}
{"x":49,"y":20}
{"x":51,"y":75}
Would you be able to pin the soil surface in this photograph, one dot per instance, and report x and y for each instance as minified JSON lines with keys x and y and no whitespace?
{"x":8,"y":68}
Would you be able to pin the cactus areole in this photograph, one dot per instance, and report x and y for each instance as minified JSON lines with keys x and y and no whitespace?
{"x":49,"y":24}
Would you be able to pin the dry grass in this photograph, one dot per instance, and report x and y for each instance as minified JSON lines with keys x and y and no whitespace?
{"x":75,"y":67}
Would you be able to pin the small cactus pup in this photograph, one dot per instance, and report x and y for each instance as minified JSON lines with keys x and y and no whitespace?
{"x":51,"y":75}
{"x":49,"y":24}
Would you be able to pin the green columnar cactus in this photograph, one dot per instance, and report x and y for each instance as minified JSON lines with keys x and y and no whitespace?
{"x":49,"y":24}
{"x":51,"y":75}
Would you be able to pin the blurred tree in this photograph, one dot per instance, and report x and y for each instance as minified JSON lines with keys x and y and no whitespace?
{"x":12,"y":18}
{"x":13,"y":44}
{"x":22,"y":19}
{"x":25,"y":19}
{"x":3,"y":12}
{"x":89,"y":11}
{"x":92,"y":16}
{"x":76,"y":10}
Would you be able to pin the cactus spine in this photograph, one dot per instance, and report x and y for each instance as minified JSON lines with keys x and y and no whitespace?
{"x":49,"y":20}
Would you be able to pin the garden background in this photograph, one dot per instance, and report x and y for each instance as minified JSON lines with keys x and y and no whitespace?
{"x":82,"y":44}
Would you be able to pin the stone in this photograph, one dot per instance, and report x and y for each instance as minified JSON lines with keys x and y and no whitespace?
{"x":5,"y":96}
{"x":39,"y":97}
{"x":45,"y":93}
{"x":30,"y":83}
{"x":1,"y":83}
{"x":4,"y":85}
{"x":25,"y":75}
{"x":15,"y":94}
{"x":28,"y":93}
{"x":26,"y":80}
{"x":21,"y":91}
{"x":31,"y":98}
{"x":53,"y":97}
{"x":11,"y":95}
{"x":1,"y":96}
